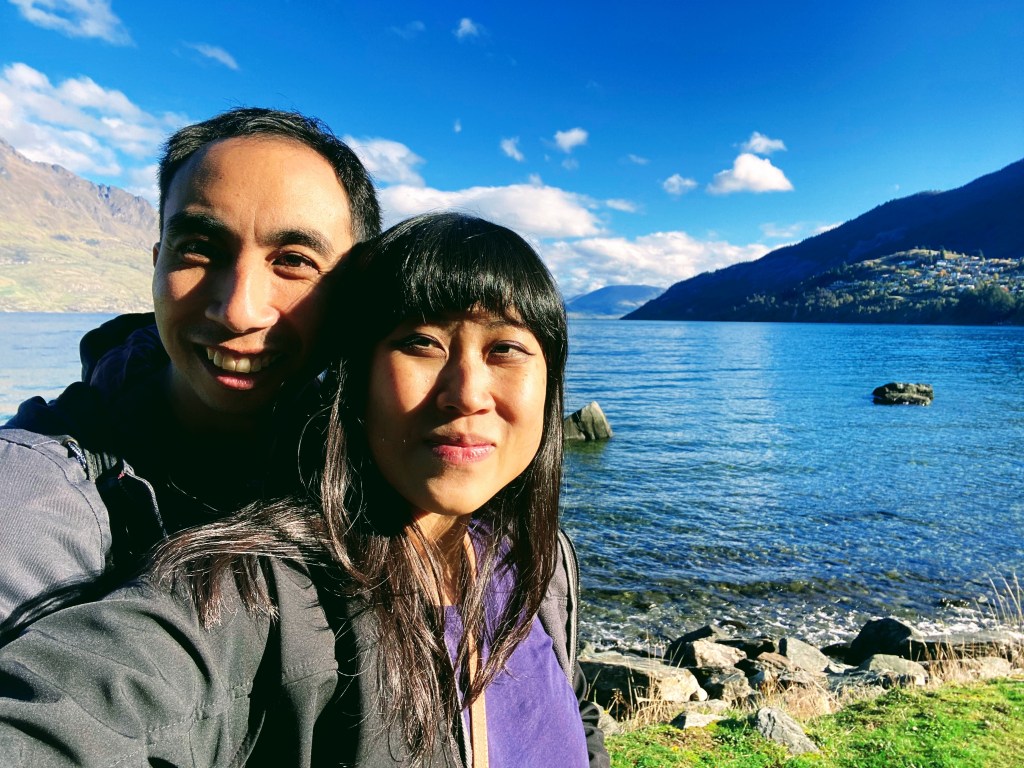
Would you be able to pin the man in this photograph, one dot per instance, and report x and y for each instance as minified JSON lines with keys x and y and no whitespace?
{"x":195,"y":412}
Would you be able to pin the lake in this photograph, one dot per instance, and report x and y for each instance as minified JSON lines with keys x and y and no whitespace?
{"x":750,"y":476}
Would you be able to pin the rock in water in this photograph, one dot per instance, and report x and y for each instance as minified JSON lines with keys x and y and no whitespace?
{"x":901,"y":393}
{"x":588,"y":423}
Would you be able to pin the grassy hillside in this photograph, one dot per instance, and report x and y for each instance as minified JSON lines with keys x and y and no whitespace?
{"x":67,"y":245}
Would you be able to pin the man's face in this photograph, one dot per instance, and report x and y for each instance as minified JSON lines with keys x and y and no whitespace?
{"x":251,"y":225}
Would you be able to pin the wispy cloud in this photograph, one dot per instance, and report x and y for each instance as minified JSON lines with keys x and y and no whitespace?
{"x":626,"y":206}
{"x":79,"y":124}
{"x":467,"y":29}
{"x":774,"y":231}
{"x":410,"y":30}
{"x":143,"y":182}
{"x":661,"y":258}
{"x":677,"y":184}
{"x":457,"y":127}
{"x":759,"y":144}
{"x":388,"y":161}
{"x":637,"y":159}
{"x":567,"y":141}
{"x":532,"y":209}
{"x":511,"y":148}
{"x":750,"y":173}
{"x":215,"y":53}
{"x":76,"y":18}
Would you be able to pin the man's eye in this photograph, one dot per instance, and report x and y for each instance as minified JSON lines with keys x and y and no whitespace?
{"x":296,"y":261}
{"x":196,"y":251}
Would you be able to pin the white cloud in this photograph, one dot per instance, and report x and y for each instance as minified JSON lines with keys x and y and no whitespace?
{"x":457,"y":127}
{"x":782,"y":232}
{"x":78,"y":124}
{"x":511,"y":148}
{"x":467,"y":28}
{"x":626,"y":206}
{"x":76,"y":18}
{"x":532,"y":209}
{"x":388,"y":161}
{"x":822,"y":228}
{"x":760,"y":144}
{"x":567,"y":141}
{"x":143,"y":182}
{"x":410,"y":30}
{"x":636,"y":159}
{"x":570,"y":164}
{"x":661,"y":258}
{"x":750,"y":173}
{"x":215,"y":53}
{"x":678,"y":185}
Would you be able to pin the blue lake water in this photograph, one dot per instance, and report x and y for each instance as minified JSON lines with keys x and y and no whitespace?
{"x":750,"y":476}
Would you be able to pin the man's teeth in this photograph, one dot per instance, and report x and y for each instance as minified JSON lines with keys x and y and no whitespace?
{"x":240,"y":363}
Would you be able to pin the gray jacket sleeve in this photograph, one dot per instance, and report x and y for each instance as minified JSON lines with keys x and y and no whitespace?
{"x":55,"y":526}
{"x":130,"y":680}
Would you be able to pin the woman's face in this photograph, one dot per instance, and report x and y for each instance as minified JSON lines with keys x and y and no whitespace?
{"x":455,"y":409}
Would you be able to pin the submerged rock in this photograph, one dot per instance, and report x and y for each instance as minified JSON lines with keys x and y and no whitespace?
{"x":901,"y":393}
{"x":588,"y":423}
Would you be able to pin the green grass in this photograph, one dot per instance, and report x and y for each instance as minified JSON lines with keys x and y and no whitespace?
{"x":972,"y":726}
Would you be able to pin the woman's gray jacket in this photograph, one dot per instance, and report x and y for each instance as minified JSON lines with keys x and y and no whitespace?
{"x":134,"y":680}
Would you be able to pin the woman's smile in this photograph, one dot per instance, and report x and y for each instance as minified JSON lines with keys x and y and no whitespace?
{"x":460,"y":449}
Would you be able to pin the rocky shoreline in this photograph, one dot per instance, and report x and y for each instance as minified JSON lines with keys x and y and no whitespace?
{"x":705,"y":672}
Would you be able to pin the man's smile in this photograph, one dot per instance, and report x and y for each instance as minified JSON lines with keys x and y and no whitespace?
{"x":237,"y":363}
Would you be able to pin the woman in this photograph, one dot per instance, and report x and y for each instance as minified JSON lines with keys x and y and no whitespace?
{"x":424,"y":609}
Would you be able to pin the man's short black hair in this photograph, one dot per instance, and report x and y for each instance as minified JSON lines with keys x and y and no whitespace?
{"x":255,"y":121}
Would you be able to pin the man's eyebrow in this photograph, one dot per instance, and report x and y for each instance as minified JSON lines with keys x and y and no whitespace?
{"x":192,"y":222}
{"x":307,"y":238}
{"x":188,"y":222}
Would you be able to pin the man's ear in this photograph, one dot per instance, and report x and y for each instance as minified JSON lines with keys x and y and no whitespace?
{"x":156,"y":252}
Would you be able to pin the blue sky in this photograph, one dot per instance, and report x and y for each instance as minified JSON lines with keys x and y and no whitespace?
{"x":639,"y":142}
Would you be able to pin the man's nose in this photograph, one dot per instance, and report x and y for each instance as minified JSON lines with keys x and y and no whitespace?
{"x":242,"y":299}
{"x":465,"y":386}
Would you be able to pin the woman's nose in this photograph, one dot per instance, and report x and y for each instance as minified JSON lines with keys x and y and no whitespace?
{"x":465,"y":386}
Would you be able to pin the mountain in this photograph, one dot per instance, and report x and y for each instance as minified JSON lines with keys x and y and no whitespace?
{"x":68,"y":245}
{"x":612,"y":301}
{"x":982,"y":216}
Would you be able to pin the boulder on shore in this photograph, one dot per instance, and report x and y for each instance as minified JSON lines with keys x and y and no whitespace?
{"x":588,"y":423}
{"x":901,"y":393}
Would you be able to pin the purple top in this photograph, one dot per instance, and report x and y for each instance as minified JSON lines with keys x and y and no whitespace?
{"x":533,"y":717}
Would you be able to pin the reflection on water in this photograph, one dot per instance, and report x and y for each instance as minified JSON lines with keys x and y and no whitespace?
{"x":751,"y":477}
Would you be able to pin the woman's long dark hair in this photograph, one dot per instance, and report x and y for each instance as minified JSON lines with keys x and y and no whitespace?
{"x":423,"y":268}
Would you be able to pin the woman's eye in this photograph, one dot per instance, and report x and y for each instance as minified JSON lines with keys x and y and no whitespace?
{"x":419,"y":344}
{"x":509,"y":350}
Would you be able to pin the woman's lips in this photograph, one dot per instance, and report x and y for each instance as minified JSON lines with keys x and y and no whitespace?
{"x":460,"y":451}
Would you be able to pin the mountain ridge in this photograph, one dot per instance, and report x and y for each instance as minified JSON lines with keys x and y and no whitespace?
{"x":980,"y":215}
{"x":67,"y":244}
